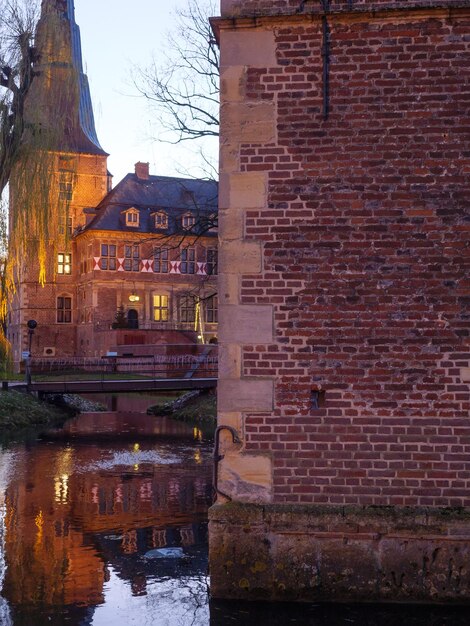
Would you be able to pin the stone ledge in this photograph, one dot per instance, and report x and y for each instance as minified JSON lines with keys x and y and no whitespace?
{"x":235,"y":9}
{"x":348,"y":554}
{"x":243,"y":511}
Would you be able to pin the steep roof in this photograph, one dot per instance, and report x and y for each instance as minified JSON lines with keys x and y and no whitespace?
{"x":59,"y":101}
{"x":175,"y":196}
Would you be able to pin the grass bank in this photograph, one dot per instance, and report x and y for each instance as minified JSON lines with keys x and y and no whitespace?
{"x":20,"y":410}
{"x":190,"y":408}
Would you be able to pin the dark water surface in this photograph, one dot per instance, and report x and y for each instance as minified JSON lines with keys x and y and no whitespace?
{"x":105,"y":523}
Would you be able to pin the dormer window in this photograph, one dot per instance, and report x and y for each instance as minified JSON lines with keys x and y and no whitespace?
{"x":188,"y":221}
{"x":132,"y":217}
{"x":161,"y":220}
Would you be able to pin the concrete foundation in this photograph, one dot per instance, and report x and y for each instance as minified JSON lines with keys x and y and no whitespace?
{"x":345,"y":554}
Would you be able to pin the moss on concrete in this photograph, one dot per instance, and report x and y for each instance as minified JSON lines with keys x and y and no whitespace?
{"x":317,"y":553}
{"x":252,"y":511}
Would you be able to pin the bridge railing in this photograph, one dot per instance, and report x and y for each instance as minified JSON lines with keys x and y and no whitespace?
{"x":199,"y":365}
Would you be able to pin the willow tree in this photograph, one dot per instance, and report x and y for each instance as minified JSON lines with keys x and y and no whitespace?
{"x":26,"y":159}
{"x":17,"y":56}
{"x":17,"y":23}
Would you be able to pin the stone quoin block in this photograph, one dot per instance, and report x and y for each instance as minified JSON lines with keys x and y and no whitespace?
{"x":249,"y":476}
{"x":245,"y":395}
{"x":243,"y":191}
{"x":229,"y":288}
{"x":246,"y":324}
{"x":248,"y":48}
{"x":232,"y":83}
{"x":230,"y":361}
{"x":231,"y":225}
{"x":254,"y":122}
{"x":246,"y":256}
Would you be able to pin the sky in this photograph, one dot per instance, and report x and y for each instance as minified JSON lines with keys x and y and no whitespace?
{"x":116,"y":36}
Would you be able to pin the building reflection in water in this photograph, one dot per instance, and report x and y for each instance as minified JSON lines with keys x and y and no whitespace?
{"x":74,"y":512}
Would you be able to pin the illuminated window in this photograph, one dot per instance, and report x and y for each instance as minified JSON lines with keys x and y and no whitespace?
{"x":160,"y":308}
{"x":211,"y":267}
{"x":64,"y":310}
{"x":132,"y":258}
{"x":64,"y":263}
{"x":132,"y":218}
{"x":161,"y":220}
{"x":187,"y":309}
{"x":160,"y":260}
{"x":188,"y":261}
{"x":108,"y":256}
{"x":211,"y":306}
{"x":187,"y":221}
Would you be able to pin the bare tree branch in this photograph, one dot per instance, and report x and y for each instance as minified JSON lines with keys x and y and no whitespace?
{"x":17,"y":23}
{"x":183,"y":87}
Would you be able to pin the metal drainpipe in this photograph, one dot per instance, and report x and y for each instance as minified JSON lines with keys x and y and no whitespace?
{"x":218,"y":457}
{"x":326,"y":58}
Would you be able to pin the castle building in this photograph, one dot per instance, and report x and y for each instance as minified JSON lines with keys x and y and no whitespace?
{"x":125,"y":266}
{"x":344,"y":355}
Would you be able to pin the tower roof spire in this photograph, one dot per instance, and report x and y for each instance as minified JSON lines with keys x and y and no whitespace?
{"x":59,"y":100}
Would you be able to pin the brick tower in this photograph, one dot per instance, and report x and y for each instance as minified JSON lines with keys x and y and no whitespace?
{"x":59,"y":108}
{"x":344,"y":301}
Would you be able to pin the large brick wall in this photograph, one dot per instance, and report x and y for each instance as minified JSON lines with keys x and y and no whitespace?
{"x":344,"y":290}
{"x":362,"y":223}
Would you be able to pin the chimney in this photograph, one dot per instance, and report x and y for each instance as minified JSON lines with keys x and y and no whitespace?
{"x":142,"y":170}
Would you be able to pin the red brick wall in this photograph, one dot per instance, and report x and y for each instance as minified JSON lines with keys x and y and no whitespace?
{"x":366,"y":261}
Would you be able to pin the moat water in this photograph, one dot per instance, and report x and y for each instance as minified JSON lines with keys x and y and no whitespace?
{"x":104,"y":523}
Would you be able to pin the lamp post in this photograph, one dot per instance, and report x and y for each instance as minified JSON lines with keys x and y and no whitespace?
{"x":31,"y":324}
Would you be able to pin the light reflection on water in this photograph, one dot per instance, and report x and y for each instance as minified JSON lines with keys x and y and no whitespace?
{"x":86,"y":521}
{"x":77,"y":517}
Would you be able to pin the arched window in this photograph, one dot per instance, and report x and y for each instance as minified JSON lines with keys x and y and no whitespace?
{"x":64,"y":310}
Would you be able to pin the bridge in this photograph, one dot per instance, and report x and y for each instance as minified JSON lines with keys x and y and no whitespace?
{"x":121,"y":385}
{"x":193,"y":368}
